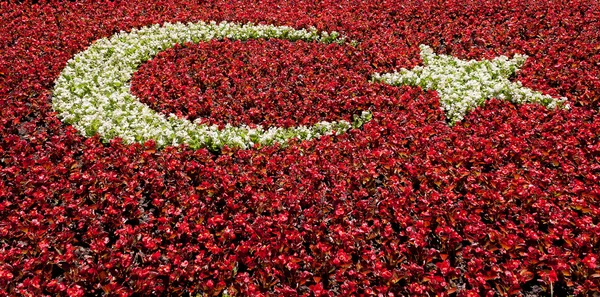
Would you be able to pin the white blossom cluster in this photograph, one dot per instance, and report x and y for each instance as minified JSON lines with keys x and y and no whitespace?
{"x":93,"y":91}
{"x":464,"y":85}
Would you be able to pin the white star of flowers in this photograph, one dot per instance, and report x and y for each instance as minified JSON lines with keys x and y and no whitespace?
{"x":464,"y":85}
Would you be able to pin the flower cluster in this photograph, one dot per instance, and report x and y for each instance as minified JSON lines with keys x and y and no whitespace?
{"x":465,"y":85}
{"x":505,"y":202}
{"x":92,"y":92}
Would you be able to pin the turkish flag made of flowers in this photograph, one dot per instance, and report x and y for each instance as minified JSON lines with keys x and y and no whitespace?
{"x":314,"y":148}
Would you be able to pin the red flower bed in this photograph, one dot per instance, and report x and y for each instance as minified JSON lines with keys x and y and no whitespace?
{"x":268,"y":82}
{"x":505,"y":202}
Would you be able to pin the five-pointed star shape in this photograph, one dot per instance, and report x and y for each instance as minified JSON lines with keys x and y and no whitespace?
{"x":464,"y":85}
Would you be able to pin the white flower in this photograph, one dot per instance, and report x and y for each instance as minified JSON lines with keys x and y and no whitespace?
{"x":464,"y":85}
{"x":93,"y":92}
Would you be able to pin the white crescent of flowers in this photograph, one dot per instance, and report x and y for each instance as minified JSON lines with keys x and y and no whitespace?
{"x":93,"y":92}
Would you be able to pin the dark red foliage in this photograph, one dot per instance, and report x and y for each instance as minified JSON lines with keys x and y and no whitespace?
{"x":506,"y":202}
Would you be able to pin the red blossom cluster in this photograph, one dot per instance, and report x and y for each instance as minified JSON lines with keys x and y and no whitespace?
{"x":275,"y":83}
{"x":506,"y":202}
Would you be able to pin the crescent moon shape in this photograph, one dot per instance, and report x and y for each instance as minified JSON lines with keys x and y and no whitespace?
{"x":93,"y":93}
